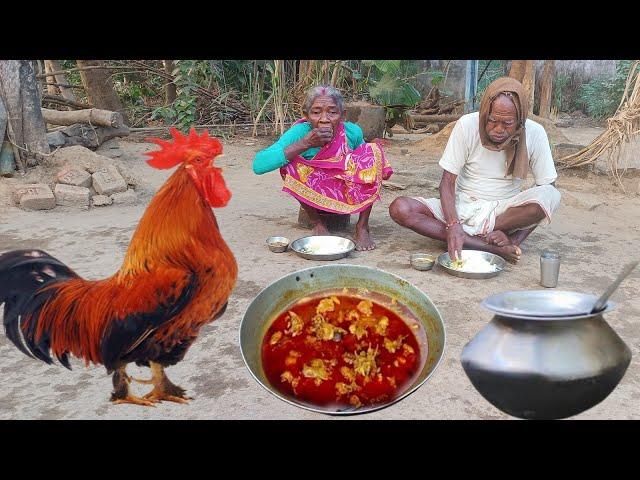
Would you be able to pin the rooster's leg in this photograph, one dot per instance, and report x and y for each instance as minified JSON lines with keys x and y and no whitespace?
{"x":163,"y":389}
{"x":121,"y":393}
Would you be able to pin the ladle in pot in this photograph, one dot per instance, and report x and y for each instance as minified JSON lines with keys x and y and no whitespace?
{"x":602,"y":301}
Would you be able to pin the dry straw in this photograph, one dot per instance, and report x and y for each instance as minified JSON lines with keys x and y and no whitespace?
{"x":621,"y":129}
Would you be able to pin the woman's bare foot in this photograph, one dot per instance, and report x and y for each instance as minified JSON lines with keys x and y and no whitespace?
{"x":320,"y":229}
{"x":363,"y":239}
{"x":498,"y":238}
{"x":511,"y":253}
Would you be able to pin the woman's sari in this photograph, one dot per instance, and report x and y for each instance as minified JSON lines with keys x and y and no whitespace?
{"x":338,"y":179}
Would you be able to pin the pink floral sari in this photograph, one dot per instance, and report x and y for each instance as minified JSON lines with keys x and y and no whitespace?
{"x":338,"y":179}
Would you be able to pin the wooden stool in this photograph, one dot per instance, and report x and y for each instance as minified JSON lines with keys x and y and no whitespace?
{"x":333,"y":221}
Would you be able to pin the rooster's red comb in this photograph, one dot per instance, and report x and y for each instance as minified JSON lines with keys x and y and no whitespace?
{"x":177,"y":151}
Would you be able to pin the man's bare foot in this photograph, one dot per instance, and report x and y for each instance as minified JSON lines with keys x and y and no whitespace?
{"x":320,"y":229}
{"x":511,"y":253}
{"x":363,"y":239}
{"x":498,"y":238}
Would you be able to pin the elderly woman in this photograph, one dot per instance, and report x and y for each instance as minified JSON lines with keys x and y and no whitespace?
{"x":482,"y":205}
{"x":326,"y":164}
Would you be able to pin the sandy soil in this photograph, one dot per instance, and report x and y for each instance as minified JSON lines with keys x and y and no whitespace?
{"x":596,"y":229}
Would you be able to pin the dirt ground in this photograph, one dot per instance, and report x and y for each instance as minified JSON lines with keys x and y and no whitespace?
{"x":596,"y":230}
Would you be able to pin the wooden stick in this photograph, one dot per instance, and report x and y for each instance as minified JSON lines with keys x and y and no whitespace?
{"x":77,"y":69}
{"x":66,"y":85}
{"x":53,"y":65}
{"x":64,"y":101}
{"x":212,"y":125}
{"x":435,"y":118}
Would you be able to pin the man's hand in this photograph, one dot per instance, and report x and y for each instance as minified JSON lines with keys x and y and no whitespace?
{"x":455,"y":241}
{"x":318,"y":137}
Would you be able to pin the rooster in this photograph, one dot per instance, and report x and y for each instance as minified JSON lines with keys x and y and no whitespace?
{"x":177,"y":276}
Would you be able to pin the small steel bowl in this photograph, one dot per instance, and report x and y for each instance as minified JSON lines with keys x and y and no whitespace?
{"x":278,"y":244}
{"x":422,"y":261}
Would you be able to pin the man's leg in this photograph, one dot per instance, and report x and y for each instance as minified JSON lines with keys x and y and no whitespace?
{"x":515,"y":218}
{"x":409,"y":212}
{"x":362,"y":237}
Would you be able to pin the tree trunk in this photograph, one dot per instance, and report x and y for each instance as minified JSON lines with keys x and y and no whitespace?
{"x":60,"y":78}
{"x":546,"y":87}
{"x":51,"y":89}
{"x":517,"y":69}
{"x":170,"y":88}
{"x":336,"y":73}
{"x":525,"y":72}
{"x":25,"y":125}
{"x":529,"y":82}
{"x":99,"y":87}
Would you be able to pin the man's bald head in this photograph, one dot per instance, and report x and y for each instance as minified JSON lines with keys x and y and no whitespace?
{"x":502,"y":121}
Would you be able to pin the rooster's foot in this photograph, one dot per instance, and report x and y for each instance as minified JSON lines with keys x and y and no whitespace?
{"x":121,"y":392}
{"x":163,"y":388}
{"x":159,"y":396}
{"x":145,"y":402}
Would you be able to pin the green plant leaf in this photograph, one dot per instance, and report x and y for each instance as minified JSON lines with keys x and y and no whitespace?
{"x":390,"y":67}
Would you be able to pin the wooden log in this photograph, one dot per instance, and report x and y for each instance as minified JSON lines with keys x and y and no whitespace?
{"x":91,"y":116}
{"x":435,"y":118}
{"x":430,"y":128}
{"x":427,"y":111}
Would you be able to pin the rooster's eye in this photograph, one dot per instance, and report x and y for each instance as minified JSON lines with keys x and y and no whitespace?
{"x":197,"y":160}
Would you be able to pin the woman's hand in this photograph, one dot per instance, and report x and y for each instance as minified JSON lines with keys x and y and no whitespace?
{"x":318,"y":137}
{"x":455,"y":241}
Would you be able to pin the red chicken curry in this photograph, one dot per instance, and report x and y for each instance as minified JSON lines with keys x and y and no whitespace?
{"x":340,"y":350}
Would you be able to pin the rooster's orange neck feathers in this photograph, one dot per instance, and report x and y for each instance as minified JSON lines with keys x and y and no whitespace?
{"x":177,"y":224}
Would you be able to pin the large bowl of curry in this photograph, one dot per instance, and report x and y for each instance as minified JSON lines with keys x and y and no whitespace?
{"x":342,"y":339}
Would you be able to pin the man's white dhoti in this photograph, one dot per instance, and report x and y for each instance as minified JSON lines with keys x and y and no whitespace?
{"x":478,"y":217}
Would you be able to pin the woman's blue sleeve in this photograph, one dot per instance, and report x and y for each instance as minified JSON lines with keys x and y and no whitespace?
{"x":273,"y":157}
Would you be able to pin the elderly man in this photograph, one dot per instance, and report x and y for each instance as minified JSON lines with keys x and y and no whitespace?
{"x":485,"y":162}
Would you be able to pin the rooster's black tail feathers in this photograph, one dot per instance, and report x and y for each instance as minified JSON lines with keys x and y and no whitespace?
{"x":22,"y":274}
